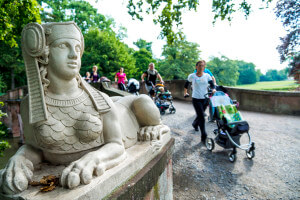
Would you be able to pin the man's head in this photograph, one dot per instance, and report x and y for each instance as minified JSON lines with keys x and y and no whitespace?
{"x":200,"y":65}
{"x":151,"y":66}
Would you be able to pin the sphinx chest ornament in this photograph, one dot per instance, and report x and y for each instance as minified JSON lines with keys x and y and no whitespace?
{"x":73,"y":125}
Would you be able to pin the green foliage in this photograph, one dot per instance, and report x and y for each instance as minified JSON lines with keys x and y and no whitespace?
{"x":224,"y":70}
{"x":143,"y":58}
{"x":274,"y":75}
{"x":247,"y":73}
{"x":3,"y":144}
{"x":82,"y":12}
{"x":2,"y":85}
{"x":12,"y":66}
{"x":144,"y":44}
{"x":168,"y":13}
{"x":14,"y":15}
{"x":272,"y":86}
{"x":106,"y":51}
{"x":180,"y":59}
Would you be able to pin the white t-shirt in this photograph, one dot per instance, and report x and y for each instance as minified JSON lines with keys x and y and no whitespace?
{"x":200,"y":85}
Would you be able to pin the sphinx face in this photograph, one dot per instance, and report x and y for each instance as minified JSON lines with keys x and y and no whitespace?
{"x":64,"y":58}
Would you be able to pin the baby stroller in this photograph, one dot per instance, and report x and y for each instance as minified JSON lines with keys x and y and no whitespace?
{"x":133,"y":86}
{"x":230,"y":125}
{"x":163,"y":99}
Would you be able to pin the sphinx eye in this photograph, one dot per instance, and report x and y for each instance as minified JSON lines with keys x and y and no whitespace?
{"x":62,"y":45}
{"x":77,"y":48}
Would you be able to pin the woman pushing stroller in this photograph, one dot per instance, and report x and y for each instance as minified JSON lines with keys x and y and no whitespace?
{"x":200,"y":82}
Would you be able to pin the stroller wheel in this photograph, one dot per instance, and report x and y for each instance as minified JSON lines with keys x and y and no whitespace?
{"x":172,"y":110}
{"x":250,"y":154}
{"x":210,"y":144}
{"x":232,"y":157}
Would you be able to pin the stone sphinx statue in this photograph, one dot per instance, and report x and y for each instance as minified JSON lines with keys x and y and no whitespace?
{"x":67,"y":121}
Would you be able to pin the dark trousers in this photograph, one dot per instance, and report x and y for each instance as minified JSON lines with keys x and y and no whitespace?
{"x":200,"y":106}
{"x":121,"y":86}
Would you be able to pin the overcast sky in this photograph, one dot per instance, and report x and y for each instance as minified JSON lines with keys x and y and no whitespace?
{"x":252,"y":40}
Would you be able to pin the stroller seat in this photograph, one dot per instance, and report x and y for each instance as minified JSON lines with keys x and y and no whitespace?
{"x":233,"y":119}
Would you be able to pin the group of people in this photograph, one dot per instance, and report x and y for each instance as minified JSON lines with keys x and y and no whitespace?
{"x":201,"y":78}
{"x":93,"y":77}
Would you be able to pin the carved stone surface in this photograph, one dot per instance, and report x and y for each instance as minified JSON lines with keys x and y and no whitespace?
{"x":67,"y":121}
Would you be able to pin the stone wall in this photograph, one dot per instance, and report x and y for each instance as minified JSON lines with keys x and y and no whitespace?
{"x":251,"y":100}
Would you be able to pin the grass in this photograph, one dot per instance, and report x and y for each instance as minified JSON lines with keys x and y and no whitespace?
{"x":271,"y":85}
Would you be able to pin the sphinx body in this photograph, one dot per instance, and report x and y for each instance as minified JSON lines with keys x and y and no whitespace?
{"x":66,"y":121}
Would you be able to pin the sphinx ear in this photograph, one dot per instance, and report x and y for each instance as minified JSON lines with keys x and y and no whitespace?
{"x":33,"y":39}
{"x":34,"y":46}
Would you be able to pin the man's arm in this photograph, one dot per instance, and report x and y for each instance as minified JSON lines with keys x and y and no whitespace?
{"x":214,"y":80}
{"x":160,"y":78}
{"x":143,"y":76}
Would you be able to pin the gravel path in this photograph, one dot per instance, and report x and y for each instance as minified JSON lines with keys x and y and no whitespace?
{"x":274,"y":173}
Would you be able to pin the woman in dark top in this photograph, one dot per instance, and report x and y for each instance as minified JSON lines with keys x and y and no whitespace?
{"x":95,"y":76}
{"x":151,"y":75}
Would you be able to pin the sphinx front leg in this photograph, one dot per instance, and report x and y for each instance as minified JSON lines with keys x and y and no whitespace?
{"x":18,"y":172}
{"x":92,"y":164}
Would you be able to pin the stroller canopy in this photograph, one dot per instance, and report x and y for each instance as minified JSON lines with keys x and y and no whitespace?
{"x":220,"y":98}
{"x":134,"y":82}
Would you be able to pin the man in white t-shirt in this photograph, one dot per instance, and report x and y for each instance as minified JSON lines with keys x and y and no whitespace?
{"x":200,"y":82}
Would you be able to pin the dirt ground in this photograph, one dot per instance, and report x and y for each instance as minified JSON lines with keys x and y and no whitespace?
{"x":274,"y":172}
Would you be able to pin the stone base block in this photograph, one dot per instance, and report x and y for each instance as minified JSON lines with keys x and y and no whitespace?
{"x":145,"y":174}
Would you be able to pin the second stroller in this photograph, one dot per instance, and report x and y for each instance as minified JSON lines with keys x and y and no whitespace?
{"x":163,"y":99}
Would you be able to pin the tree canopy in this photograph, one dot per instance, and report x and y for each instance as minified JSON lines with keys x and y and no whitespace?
{"x":140,"y":43}
{"x":14,"y":15}
{"x":81,"y":12}
{"x":224,"y":70}
{"x":106,"y":51}
{"x":168,"y":13}
{"x":289,"y":13}
{"x":180,"y":59}
{"x":247,"y":73}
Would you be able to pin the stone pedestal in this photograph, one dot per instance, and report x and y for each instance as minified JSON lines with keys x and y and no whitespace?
{"x":145,"y":174}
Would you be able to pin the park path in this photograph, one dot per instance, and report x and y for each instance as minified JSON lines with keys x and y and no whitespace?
{"x":274,"y":173}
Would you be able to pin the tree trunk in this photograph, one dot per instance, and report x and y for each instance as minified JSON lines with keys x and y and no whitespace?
{"x":12,"y":74}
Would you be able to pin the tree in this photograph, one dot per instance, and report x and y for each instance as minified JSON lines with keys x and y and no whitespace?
{"x":247,"y":73}
{"x":140,"y":43}
{"x":180,"y":59}
{"x":81,"y":12}
{"x":289,"y":13}
{"x":168,"y":13}
{"x":224,"y":70}
{"x":12,"y":65}
{"x":106,"y":51}
{"x":14,"y":15}
{"x":143,"y":58}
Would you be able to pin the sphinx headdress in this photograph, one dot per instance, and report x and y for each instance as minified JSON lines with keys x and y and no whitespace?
{"x":36,"y":39}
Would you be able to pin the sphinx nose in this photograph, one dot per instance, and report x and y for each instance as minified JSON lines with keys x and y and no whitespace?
{"x":73,"y":54}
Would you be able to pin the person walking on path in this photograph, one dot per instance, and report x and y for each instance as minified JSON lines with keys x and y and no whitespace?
{"x":187,"y":83}
{"x":151,"y":75}
{"x":200,"y":81}
{"x":121,"y":78}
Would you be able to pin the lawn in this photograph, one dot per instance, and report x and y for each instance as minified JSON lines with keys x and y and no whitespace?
{"x":271,"y":85}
